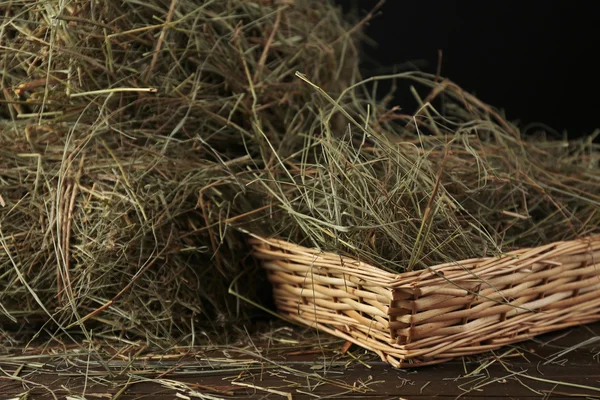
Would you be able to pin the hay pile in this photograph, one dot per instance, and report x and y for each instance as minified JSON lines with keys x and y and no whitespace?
{"x":142,"y":138}
{"x":124,"y":127}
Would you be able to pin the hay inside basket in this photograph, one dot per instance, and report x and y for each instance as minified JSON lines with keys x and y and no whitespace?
{"x":450,"y":310}
{"x":428,"y":198}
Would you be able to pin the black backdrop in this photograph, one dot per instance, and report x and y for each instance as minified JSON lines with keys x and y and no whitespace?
{"x":534,"y":59}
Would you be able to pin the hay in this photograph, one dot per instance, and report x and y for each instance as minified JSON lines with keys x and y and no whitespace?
{"x":123,"y":134}
{"x":143,"y":138}
{"x":456,"y":181}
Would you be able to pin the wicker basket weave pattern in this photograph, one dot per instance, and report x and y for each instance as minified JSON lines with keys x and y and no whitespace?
{"x":446,"y":311}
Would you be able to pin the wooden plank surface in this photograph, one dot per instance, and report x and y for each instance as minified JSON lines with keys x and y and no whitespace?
{"x":283,"y":362}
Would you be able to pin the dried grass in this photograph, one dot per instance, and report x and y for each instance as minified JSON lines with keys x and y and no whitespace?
{"x":141,"y":139}
{"x":120,"y":149}
{"x":445,"y":183}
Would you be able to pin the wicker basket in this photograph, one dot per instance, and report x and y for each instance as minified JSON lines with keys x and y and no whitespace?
{"x":434,"y":315}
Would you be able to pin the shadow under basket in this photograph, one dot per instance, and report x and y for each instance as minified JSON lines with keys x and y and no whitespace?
{"x":446,"y":311}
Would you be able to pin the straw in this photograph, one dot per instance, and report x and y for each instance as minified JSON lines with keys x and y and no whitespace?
{"x":125,"y":127}
{"x":445,"y":183}
{"x":141,"y":140}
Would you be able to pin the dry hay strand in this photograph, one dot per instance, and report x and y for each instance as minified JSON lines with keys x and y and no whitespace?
{"x":125,"y":126}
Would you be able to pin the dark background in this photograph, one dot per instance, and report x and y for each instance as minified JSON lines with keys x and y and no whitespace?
{"x":536,"y":60}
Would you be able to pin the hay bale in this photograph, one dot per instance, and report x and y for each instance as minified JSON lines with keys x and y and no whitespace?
{"x":126,"y":124}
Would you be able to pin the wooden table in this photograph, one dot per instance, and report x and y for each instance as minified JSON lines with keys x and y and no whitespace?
{"x":280,"y":362}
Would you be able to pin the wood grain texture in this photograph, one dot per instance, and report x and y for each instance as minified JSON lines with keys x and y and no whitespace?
{"x":305,"y":365}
